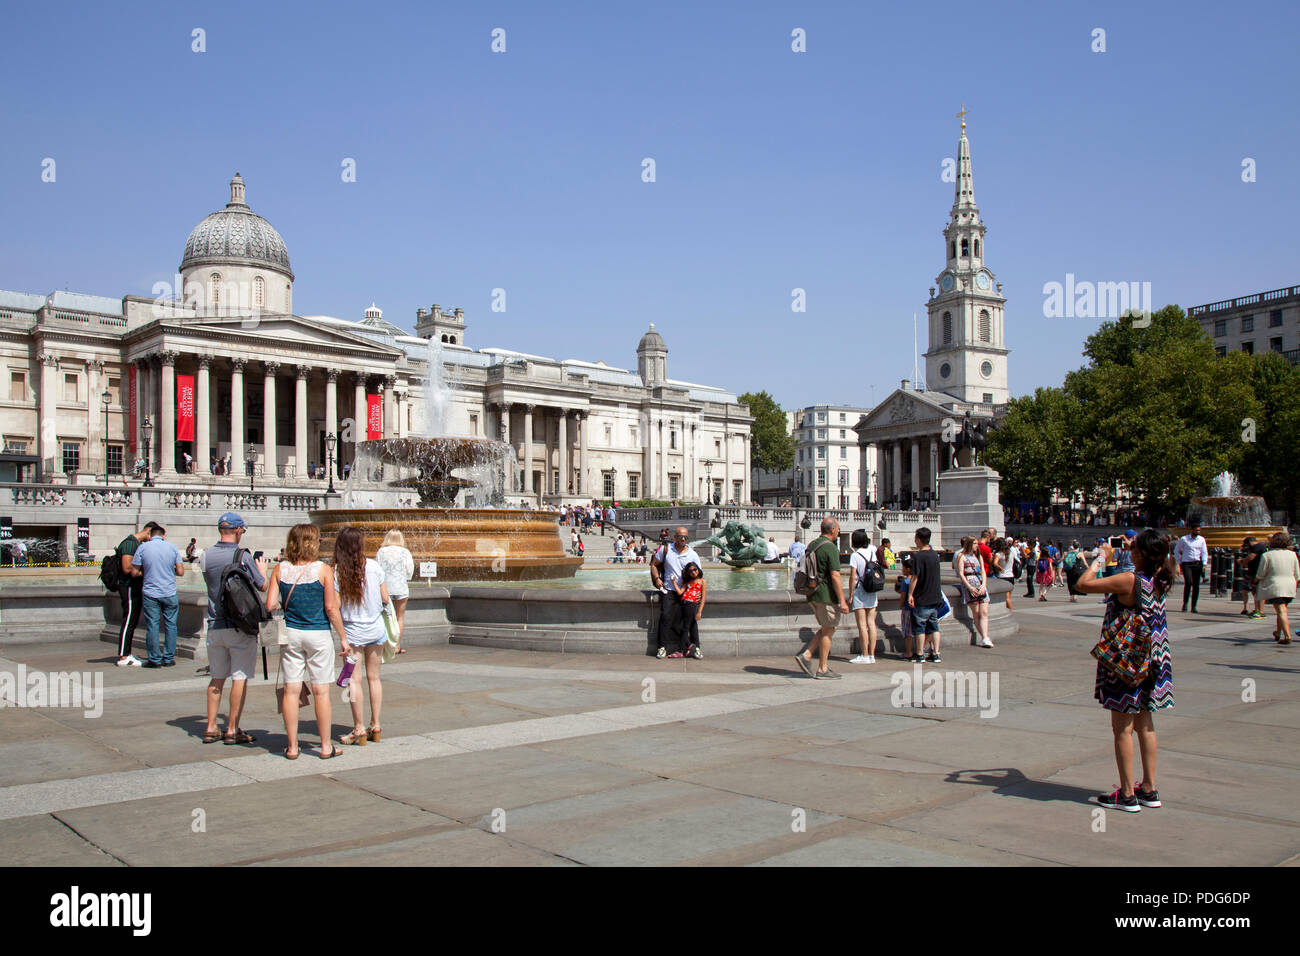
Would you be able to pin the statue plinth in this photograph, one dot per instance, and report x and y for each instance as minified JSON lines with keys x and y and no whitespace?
{"x":968,"y":503}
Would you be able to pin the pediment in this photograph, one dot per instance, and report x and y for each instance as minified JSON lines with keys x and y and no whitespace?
{"x":287,"y":330}
{"x":905,"y":408}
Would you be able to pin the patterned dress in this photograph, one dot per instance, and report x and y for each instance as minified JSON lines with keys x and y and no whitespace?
{"x":1157,"y":691}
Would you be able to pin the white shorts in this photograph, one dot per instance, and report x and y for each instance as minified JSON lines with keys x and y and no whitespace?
{"x":308,"y":656}
{"x":861,"y":599}
{"x":231,"y":654}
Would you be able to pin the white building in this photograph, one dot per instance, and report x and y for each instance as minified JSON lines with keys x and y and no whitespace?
{"x":84,"y":373}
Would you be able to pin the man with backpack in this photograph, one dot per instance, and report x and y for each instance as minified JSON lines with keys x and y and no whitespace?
{"x":119,"y":575}
{"x":160,"y":562}
{"x":232,"y":652}
{"x":827,"y":597}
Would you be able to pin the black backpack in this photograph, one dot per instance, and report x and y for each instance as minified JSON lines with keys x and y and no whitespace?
{"x":241,"y":603}
{"x":110,"y":571}
{"x":872,"y":578}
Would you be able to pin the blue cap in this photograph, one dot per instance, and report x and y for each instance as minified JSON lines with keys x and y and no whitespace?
{"x":230,"y":520}
{"x":1130,"y":533}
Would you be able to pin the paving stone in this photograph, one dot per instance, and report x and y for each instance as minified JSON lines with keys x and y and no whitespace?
{"x":44,"y":841}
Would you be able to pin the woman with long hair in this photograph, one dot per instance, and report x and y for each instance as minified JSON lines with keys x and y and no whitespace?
{"x":304,"y":586}
{"x":399,"y":568}
{"x":1004,"y":565}
{"x":974,"y":586}
{"x":361,"y":595}
{"x":1276,"y":576}
{"x":864,"y":601}
{"x":1142,"y":592}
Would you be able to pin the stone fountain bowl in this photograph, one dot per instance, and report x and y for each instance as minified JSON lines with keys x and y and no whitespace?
{"x":440,"y":455}
{"x":1226,"y":520}
{"x":469,"y":544}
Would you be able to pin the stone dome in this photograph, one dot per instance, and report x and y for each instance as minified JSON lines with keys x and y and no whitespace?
{"x":652,"y":340}
{"x":236,"y":236}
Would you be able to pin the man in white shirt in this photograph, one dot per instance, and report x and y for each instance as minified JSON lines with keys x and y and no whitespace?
{"x":1192,"y":556}
{"x":773,"y":552}
{"x":666,"y":572}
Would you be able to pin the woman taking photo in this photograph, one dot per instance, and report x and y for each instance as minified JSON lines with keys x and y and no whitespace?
{"x":362,"y":595}
{"x":304,"y":587}
{"x":1276,"y":577}
{"x":1140,"y":592}
{"x":974,"y":583}
{"x":399,"y":568}
{"x":864,"y":601}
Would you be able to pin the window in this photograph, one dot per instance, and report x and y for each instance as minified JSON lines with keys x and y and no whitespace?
{"x":841,"y":419}
{"x":988,"y":398}
{"x":1248,"y":348}
{"x":965,"y":248}
{"x":608,"y":485}
{"x":986,"y":326}
{"x":801,"y":454}
{"x":843,"y":432}
{"x":737,"y":491}
{"x":71,"y":456}
{"x":717,"y":449}
{"x":633,"y":431}
{"x":844,"y":451}
{"x":674,"y":486}
{"x":259,"y":292}
{"x":952,"y":249}
{"x":115,"y":459}
{"x":1275,"y":344}
{"x":633,"y":485}
{"x":977,"y":248}
{"x":15,"y":446}
{"x":473,"y":424}
{"x":947,"y":328}
{"x":821,"y":501}
{"x":821,"y":434}
{"x":555,"y":482}
{"x":821,"y":451}
{"x":672,"y":442}
{"x":1275,"y":319}
{"x":821,"y":477}
{"x":115,"y":391}
{"x":821,"y":416}
{"x":1220,"y":350}
{"x":214,"y":290}
{"x":17,"y":386}
{"x":609,"y":437}
{"x":1221,"y":328}
{"x":70,"y":387}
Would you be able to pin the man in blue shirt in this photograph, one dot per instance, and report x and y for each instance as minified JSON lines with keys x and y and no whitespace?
{"x":161,"y":565}
{"x":796,"y":549}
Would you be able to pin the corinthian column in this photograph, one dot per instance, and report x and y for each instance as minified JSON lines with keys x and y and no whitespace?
{"x":332,"y":412}
{"x":237,"y":412}
{"x":268,"y":420}
{"x":167,"y":423}
{"x":203,"y":418}
{"x":300,"y":423}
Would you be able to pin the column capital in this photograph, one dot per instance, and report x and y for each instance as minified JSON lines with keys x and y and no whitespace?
{"x":48,"y":359}
{"x":528,"y":408}
{"x":168,"y":357}
{"x":271,"y":367}
{"x":205,"y":361}
{"x":304,"y":371}
{"x":332,"y":374}
{"x":390,"y":380}
{"x":95,"y":365}
{"x":239,"y":364}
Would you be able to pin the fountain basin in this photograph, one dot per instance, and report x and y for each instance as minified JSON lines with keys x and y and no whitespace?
{"x":469,"y":544}
{"x":1227,"y":519}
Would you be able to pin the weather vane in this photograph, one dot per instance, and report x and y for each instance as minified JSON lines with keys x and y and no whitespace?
{"x":962,"y":116}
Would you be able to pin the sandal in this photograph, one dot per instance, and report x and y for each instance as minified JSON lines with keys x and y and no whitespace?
{"x":334,"y":752}
{"x":239,"y":737}
{"x":212,"y":736}
{"x":401,"y":650}
{"x":356,"y":737}
{"x":373,"y":733}
{"x":292,"y":756}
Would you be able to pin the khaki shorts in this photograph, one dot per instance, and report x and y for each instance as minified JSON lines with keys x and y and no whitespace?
{"x":309,"y":657}
{"x":828,"y":615}
{"x":232,"y":654}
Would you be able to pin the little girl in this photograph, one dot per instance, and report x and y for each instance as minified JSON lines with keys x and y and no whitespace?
{"x":912,"y":652}
{"x":1044,"y":577}
{"x":692,"y":592}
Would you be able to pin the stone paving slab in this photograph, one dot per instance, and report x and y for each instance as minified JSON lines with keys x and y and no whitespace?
{"x":45,"y":841}
{"x":463,"y":846}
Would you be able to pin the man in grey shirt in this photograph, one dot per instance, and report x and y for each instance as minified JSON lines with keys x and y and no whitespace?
{"x":231,"y":653}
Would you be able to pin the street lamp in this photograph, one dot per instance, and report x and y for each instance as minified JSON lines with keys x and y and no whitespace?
{"x":146,"y":429}
{"x":613,"y":484}
{"x":330,"y":442}
{"x":708,"y":481}
{"x":105,"y":399}
{"x":844,"y":480}
{"x":250,"y":458}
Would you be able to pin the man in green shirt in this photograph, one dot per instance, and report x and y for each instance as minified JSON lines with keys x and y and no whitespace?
{"x":827,"y":601}
{"x":131,"y":591}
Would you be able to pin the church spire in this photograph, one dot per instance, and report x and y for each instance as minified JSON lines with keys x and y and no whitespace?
{"x":964,"y":197}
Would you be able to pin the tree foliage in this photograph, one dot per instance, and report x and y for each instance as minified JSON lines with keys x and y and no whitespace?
{"x":775,"y":447}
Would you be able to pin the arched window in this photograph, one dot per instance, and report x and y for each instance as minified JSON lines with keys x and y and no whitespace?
{"x":214,"y":290}
{"x":259,"y":292}
{"x":965,"y":248}
{"x":453,"y":340}
{"x":986,"y":326}
{"x":947,"y":328}
{"x":977,"y":248}
{"x":444,"y":340}
{"x":952,"y":249}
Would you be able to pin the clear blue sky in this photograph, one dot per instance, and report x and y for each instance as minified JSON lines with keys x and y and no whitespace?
{"x":775,"y":170}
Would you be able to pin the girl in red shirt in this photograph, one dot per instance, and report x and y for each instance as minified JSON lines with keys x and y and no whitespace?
{"x":692,"y":591}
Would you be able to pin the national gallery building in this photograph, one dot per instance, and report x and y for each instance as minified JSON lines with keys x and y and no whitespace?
{"x":222,"y":381}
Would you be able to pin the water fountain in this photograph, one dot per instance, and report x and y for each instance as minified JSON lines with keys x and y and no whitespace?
{"x":446,"y":496}
{"x":1226,"y":515}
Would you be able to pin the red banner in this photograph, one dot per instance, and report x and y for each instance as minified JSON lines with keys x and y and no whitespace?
{"x":185,"y":408}
{"x":131,"y":406}
{"x":374,"y":417}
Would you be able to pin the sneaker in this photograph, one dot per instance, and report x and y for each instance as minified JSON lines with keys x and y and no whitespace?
{"x":935,"y":659}
{"x":871,"y":658}
{"x":931,"y":657}
{"x":1148,"y":798}
{"x":916,"y":659}
{"x":150,"y":664}
{"x":861,"y":659}
{"x":805,"y":664}
{"x":661,"y":653}
{"x":168,"y":663}
{"x":1256,"y":615}
{"x":697,"y":653}
{"x":985,"y":643}
{"x":827,"y":674}
{"x":129,"y":661}
{"x":1113,"y":801}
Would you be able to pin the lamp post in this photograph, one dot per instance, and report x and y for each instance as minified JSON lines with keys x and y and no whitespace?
{"x":870,"y":477}
{"x":708,"y":481}
{"x":330,"y":441}
{"x":105,"y":399}
{"x":146,"y":429}
{"x":844,"y":480}
{"x":613,"y":484}
{"x":250,"y":458}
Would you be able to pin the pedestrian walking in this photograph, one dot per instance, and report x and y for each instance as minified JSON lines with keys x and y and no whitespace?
{"x":1277,"y":575}
{"x":399,"y":568}
{"x":827,"y":600}
{"x":1192,"y":556}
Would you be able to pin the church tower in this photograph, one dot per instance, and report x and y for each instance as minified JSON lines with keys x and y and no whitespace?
{"x":967,"y":355}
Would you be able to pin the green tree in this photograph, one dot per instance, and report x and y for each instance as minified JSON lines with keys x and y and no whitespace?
{"x":1035,"y":447}
{"x":1271,"y":465}
{"x":775,"y":448}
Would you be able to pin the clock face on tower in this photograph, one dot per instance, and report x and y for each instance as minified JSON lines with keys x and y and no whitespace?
{"x":946,"y":282}
{"x":982,"y":280}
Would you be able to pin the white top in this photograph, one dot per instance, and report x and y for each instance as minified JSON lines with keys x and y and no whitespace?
{"x":1005,"y":559}
{"x":362,"y":622}
{"x":772,"y":552}
{"x":398,"y":567}
{"x":1190,"y":549}
{"x":674,"y":563}
{"x":859,"y":560}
